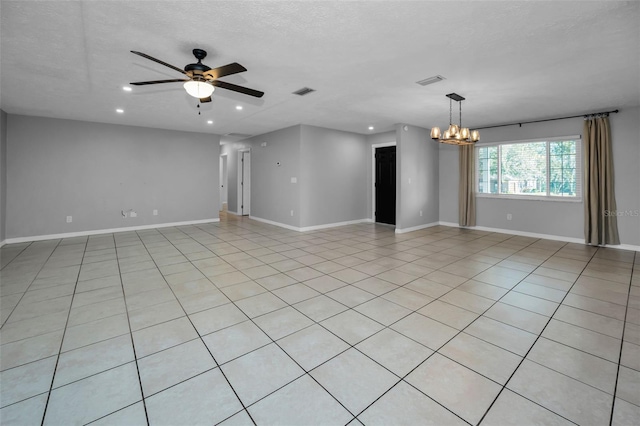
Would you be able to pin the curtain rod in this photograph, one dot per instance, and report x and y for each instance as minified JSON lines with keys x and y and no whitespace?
{"x":520,"y":123}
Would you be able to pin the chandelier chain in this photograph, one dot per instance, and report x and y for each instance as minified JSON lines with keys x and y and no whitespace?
{"x":450,"y":111}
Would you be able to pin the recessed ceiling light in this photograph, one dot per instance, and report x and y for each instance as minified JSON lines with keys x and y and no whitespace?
{"x":209,"y":121}
{"x":127,"y":88}
{"x":370,"y":127}
{"x":119,"y":110}
{"x":238,"y":107}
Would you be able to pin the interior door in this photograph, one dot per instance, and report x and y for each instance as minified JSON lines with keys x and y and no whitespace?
{"x":245,"y":207}
{"x":385,"y":185}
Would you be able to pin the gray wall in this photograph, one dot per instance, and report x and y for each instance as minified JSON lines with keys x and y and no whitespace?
{"x":3,"y":174}
{"x":417,"y":177}
{"x":333,"y":184}
{"x":625,"y":136}
{"x":92,"y":171}
{"x":378,"y":138}
{"x":273,"y":196}
{"x":330,"y":169}
{"x":552,"y":217}
{"x":448,"y":183}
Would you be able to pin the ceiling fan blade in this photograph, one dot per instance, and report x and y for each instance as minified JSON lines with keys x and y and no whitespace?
{"x":144,"y":83}
{"x":237,"y":88}
{"x":229,"y":69}
{"x":144,"y":55}
{"x":205,"y":100}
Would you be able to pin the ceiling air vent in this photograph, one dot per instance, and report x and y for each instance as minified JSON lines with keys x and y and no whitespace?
{"x":430,"y":80}
{"x":303,"y":91}
{"x":238,"y":135}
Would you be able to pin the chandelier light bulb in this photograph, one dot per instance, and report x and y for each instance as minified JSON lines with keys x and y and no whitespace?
{"x":435,"y":133}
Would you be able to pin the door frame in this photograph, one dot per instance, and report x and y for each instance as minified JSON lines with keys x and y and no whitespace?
{"x":373,"y":176}
{"x":240,"y":180}
{"x":224,"y":181}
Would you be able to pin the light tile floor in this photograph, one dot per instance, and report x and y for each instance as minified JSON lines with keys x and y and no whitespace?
{"x":240,"y":322}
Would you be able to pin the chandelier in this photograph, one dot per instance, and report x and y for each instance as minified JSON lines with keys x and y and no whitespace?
{"x":455,"y":134}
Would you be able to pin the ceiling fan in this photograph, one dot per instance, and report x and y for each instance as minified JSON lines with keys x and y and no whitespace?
{"x":201,"y":78}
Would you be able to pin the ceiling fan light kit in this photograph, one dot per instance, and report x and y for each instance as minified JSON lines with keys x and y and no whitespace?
{"x":199,"y":89}
{"x":201,"y":80}
{"x":455,"y":134}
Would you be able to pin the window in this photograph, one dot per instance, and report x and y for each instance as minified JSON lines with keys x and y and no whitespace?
{"x":547,"y":169}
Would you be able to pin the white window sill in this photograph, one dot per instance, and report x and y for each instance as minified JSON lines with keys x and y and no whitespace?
{"x":530,"y":198}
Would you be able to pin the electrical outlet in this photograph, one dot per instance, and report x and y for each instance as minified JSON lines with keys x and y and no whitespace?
{"x":155,"y":212}
{"x":509,"y":216}
{"x":291,"y":212}
{"x":69,"y":219}
{"x":420,"y":213}
{"x":133,"y":214}
{"x":294,"y":180}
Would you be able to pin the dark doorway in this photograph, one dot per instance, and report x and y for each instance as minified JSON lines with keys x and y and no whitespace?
{"x":386,"y":185}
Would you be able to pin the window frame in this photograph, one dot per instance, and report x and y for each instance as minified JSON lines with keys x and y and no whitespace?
{"x":546,"y":197}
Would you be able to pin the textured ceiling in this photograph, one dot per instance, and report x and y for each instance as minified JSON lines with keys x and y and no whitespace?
{"x":513,"y":61}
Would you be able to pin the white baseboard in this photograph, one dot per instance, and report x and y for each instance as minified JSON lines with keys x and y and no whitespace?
{"x":416,"y":228}
{"x":334,"y":225}
{"x":106,"y":231}
{"x":271,"y":222}
{"x":309,"y":228}
{"x":537,"y":235}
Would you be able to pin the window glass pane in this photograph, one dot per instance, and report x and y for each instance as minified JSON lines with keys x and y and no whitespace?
{"x":488,"y":170}
{"x":562,"y":171}
{"x":523,"y":169}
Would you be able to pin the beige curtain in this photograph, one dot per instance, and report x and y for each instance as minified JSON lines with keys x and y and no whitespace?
{"x":466,"y":186}
{"x":600,"y":222}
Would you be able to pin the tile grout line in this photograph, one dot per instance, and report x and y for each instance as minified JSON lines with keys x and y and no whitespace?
{"x":415,"y":311}
{"x":353,"y":347}
{"x":306,"y":373}
{"x":194,"y":327}
{"x":626,"y":312}
{"x":403,"y":378}
{"x":32,"y":281}
{"x":531,"y":347}
{"x":55,"y":368}
{"x":133,"y":346}
{"x":16,"y":256}
{"x":273,"y":341}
